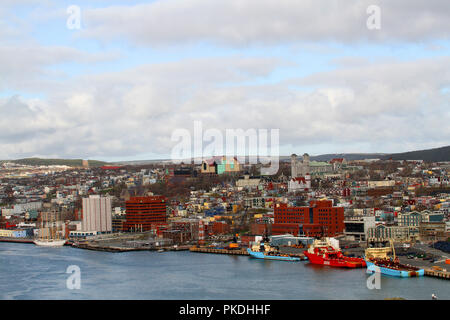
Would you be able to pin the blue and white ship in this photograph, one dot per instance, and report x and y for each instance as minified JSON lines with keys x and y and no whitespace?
{"x":395,"y":270}
{"x":265,"y":251}
{"x":378,"y":260}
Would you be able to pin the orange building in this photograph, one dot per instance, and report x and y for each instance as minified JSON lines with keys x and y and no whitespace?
{"x":319,"y":219}
{"x":144,"y":213}
{"x":259,"y":229}
{"x":219,"y":227}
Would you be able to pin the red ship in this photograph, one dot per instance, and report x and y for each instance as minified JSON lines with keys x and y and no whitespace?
{"x":322,"y":252}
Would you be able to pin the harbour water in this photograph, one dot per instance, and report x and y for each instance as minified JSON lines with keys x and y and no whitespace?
{"x":31,"y":272}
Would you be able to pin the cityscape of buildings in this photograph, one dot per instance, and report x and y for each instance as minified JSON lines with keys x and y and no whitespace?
{"x":170,"y":149}
{"x":406,"y":201}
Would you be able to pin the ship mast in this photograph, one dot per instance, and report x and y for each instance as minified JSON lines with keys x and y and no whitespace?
{"x":392,"y":246}
{"x":57,"y":229}
{"x":48,"y":230}
{"x":41,"y":232}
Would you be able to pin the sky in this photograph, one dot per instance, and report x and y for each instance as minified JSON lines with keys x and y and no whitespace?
{"x":134,"y":72}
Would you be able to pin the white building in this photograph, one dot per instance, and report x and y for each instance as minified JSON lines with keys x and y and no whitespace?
{"x":381,"y":183}
{"x":299,"y":168}
{"x":299,"y":184}
{"x":22,"y":207}
{"x":97,"y":214}
{"x":246,"y":181}
{"x":358,"y":228}
{"x":304,"y":167}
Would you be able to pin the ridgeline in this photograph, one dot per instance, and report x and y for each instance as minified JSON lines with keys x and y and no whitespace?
{"x":55,"y":162}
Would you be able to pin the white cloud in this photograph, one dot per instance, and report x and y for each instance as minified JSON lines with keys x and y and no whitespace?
{"x":386,"y":106}
{"x":247,"y":22}
{"x":29,"y":67}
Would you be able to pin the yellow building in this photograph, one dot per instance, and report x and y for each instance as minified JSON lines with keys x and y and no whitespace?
{"x":6,"y":233}
{"x":219,"y":165}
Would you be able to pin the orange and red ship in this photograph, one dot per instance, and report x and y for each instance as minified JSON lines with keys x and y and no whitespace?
{"x":324,"y":253}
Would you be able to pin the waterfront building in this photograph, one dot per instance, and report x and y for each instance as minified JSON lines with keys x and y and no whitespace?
{"x":16,"y":233}
{"x":414,"y":219}
{"x":6,"y":233}
{"x":432,"y":231}
{"x":319,"y":219}
{"x":143,"y":213}
{"x":260,"y":228}
{"x":290,"y":240}
{"x":432,"y":216}
{"x":219,"y":227}
{"x":82,"y":234}
{"x":409,"y":219}
{"x":97,"y":214}
{"x":396,"y":233}
{"x":118,"y":223}
{"x":358,"y":227}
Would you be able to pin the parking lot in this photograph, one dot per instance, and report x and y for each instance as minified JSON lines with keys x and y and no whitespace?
{"x":421,"y":255}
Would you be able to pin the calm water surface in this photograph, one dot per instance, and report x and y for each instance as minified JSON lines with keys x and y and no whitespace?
{"x":31,"y":272}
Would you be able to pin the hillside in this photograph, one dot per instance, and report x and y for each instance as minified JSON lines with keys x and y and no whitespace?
{"x":432,"y":155}
{"x":429,"y":155}
{"x":49,"y":162}
{"x":348,"y":156}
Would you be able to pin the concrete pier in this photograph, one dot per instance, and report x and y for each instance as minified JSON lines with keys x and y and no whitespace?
{"x":241,"y":252}
{"x":437,"y":274}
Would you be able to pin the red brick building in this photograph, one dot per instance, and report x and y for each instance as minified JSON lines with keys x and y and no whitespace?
{"x":219,"y":227}
{"x":246,"y":239}
{"x":319,"y":219}
{"x":259,"y":229}
{"x":145,"y":212}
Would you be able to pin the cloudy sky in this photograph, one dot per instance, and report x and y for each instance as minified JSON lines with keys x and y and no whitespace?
{"x":135,"y":71}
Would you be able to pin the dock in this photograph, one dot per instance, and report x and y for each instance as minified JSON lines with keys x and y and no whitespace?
{"x":241,"y":252}
{"x":16,"y":240}
{"x":106,"y":248}
{"x":437,"y":274}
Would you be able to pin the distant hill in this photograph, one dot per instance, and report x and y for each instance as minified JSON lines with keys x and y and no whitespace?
{"x":55,"y":162}
{"x":348,"y":156}
{"x":430,"y":155}
{"x":142,"y":162}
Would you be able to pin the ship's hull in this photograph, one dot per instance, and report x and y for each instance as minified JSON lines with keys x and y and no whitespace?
{"x":50,"y":243}
{"x":341,"y":263}
{"x":261,"y":255}
{"x":371,"y":267}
